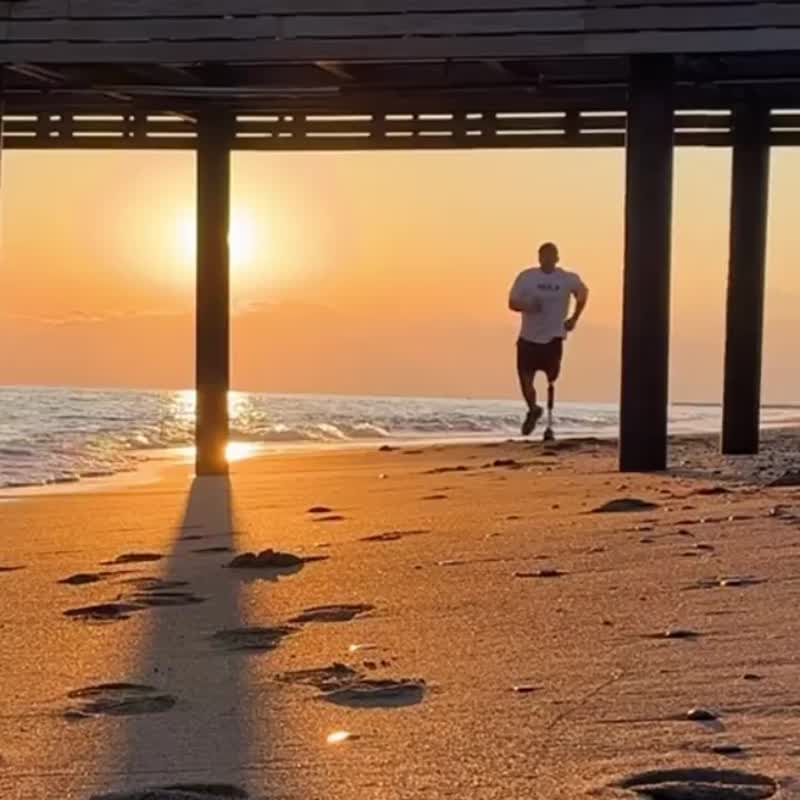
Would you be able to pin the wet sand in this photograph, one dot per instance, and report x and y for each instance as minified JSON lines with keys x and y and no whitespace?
{"x":503,"y":621}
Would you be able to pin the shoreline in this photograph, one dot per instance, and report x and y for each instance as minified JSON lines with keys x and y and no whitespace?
{"x":150,"y":470}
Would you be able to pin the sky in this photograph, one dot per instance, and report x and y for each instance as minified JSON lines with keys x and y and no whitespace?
{"x":366,"y":273}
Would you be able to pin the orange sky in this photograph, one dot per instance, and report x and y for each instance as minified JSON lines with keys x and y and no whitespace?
{"x":370,"y":273}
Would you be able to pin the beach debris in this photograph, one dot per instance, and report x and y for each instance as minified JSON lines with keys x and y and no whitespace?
{"x":717,"y":583}
{"x":625,"y":505}
{"x":789,"y":478}
{"x":540,"y":573}
{"x":252,"y":638}
{"x":319,"y":510}
{"x":102,"y":612}
{"x":332,"y":613}
{"x":378,"y":693}
{"x":700,"y":783}
{"x":701,"y":715}
{"x":681,"y":633}
{"x":117,"y":699}
{"x":272,"y":559}
{"x":179,"y":791}
{"x":339,"y":737}
{"x":359,"y":648}
{"x":135,"y":558}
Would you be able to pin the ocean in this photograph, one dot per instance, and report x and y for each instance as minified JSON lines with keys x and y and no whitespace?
{"x":55,"y":435}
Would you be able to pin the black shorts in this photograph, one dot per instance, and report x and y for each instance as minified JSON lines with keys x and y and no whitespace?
{"x":533,"y":357}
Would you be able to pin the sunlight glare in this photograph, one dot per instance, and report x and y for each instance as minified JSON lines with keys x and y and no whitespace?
{"x":242,"y":239}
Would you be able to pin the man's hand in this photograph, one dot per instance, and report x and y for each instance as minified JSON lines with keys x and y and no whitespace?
{"x":570,"y":324}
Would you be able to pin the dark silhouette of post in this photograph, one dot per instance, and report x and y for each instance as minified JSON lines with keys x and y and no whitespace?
{"x":745,"y":314}
{"x":646,"y":302}
{"x":214,"y":135}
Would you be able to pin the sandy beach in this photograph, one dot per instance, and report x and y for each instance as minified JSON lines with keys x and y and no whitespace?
{"x":461,"y":623}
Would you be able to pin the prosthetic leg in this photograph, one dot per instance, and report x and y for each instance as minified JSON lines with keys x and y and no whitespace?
{"x":549,"y":435}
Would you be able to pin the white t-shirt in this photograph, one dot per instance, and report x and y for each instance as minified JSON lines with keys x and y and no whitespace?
{"x":553,"y":290}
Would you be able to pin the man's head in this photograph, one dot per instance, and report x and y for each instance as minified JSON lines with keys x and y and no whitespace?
{"x":548,"y":256}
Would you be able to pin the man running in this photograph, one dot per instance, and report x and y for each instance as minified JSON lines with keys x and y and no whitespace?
{"x":542,"y":296}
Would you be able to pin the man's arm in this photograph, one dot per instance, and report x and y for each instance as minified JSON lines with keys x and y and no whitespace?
{"x":581,"y":294}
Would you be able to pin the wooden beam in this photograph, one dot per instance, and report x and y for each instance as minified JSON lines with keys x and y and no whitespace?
{"x":213,"y":291}
{"x":646,"y":297}
{"x":746,"y":274}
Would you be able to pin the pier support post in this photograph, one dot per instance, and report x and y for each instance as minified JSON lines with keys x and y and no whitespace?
{"x":646,"y":300}
{"x":745,"y":312}
{"x":214,"y":134}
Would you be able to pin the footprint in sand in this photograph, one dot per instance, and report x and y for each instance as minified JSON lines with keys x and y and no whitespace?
{"x":393,"y":536}
{"x":83,"y":578}
{"x":379,"y":693}
{"x":273,"y":560}
{"x":699,"y":784}
{"x":240,"y":640}
{"x":149,"y":592}
{"x":102,"y":612}
{"x":335,"y":613}
{"x":117,"y":699}
{"x":446,"y":470}
{"x":135,"y":558}
{"x":625,"y":505}
{"x":180,"y":791}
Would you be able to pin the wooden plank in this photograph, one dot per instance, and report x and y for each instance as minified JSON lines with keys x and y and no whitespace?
{"x":142,"y":30}
{"x":704,"y":16}
{"x":122,"y":9}
{"x":521,"y":47}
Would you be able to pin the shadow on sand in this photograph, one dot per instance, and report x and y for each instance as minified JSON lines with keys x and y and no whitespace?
{"x":199,"y":748}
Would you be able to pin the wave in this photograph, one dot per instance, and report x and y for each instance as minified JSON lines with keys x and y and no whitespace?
{"x":63,"y":435}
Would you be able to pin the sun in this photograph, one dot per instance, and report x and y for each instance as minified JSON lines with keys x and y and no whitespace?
{"x":242,"y":240}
